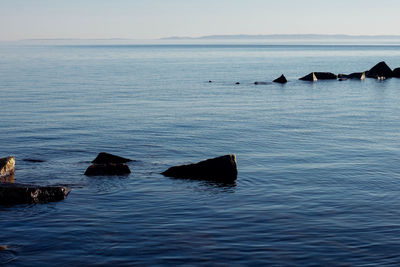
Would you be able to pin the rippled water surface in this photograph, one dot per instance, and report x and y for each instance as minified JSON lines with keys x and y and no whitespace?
{"x":319,"y":163}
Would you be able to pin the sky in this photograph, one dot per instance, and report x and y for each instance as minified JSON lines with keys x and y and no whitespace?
{"x":151,"y":19}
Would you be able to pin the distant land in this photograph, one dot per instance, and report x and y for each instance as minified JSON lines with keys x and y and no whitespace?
{"x":284,"y":36}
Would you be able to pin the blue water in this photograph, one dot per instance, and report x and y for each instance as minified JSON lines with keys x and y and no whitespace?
{"x":319,"y":163}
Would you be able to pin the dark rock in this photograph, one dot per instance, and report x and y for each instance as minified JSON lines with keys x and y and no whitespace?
{"x":221,"y":169}
{"x":210,"y":81}
{"x":7,"y":167}
{"x":310,"y":77}
{"x":319,"y":76}
{"x":258,"y":83}
{"x":380,"y":70}
{"x":107,"y":169}
{"x":355,"y":75}
{"x":33,"y":160}
{"x":343,"y":79}
{"x":11,"y":194}
{"x":237,"y":83}
{"x":281,"y":79}
{"x":105,"y":158}
{"x":7,"y":179}
{"x":396,"y":73}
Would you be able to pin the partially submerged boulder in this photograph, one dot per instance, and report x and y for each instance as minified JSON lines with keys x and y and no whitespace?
{"x":355,"y":75}
{"x":221,"y":169}
{"x":396,"y":73}
{"x":314,"y":76}
{"x":108,"y":164}
{"x":281,"y":79}
{"x":7,"y":167}
{"x":309,"y":77}
{"x":11,"y":194}
{"x":107,"y":169}
{"x":258,"y":83}
{"x":105,"y":158}
{"x":380,"y":70}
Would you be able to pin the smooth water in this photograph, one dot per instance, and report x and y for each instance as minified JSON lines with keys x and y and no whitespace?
{"x":319,"y":172}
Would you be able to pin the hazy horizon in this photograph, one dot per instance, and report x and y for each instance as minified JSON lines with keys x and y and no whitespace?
{"x":155,"y":19}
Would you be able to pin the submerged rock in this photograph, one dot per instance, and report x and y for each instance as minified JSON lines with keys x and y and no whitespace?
{"x":380,"y":70}
{"x":319,"y":76}
{"x":33,"y":160}
{"x":237,"y":83}
{"x":108,"y":164}
{"x":7,"y":167}
{"x":107,"y":169}
{"x":258,"y":83}
{"x":220,"y":169}
{"x":396,"y":73}
{"x":105,"y":158}
{"x":11,"y":194}
{"x":281,"y":79}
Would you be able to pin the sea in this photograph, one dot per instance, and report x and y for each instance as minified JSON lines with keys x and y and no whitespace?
{"x":318,"y":162}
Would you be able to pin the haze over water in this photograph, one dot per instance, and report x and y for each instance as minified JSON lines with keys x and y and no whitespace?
{"x":318,"y":164}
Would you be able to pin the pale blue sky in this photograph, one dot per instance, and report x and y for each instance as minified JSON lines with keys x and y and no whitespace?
{"x":143,"y":19}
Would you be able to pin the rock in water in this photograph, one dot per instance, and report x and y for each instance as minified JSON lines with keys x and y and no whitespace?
{"x":355,"y":75}
{"x":220,"y":169}
{"x":310,"y":77}
{"x":281,"y":79}
{"x":107,"y":169}
{"x":7,"y":167}
{"x":108,"y":164}
{"x":380,"y":70}
{"x":11,"y":194}
{"x":314,"y":76}
{"x":396,"y":73}
{"x":105,"y":158}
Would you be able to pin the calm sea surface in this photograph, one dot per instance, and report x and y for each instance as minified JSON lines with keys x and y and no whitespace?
{"x":319,"y":163}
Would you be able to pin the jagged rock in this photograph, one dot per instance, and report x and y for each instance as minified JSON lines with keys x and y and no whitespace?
{"x":319,"y":76}
{"x":105,"y":158}
{"x":310,"y":77}
{"x":380,"y":70}
{"x":258,"y":83}
{"x":7,"y":167}
{"x":396,"y":73}
{"x":281,"y":79}
{"x":108,"y":164}
{"x":220,"y":169}
{"x":355,"y":75}
{"x":11,"y":194}
{"x":107,"y":169}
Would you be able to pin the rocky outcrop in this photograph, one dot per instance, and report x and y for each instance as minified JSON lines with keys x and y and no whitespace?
{"x":309,"y":77}
{"x":319,"y":76}
{"x":221,"y":169}
{"x":396,"y":73}
{"x":108,"y":164}
{"x":380,"y":70}
{"x":355,"y":75}
{"x":11,"y":194}
{"x":7,"y":167}
{"x":281,"y":79}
